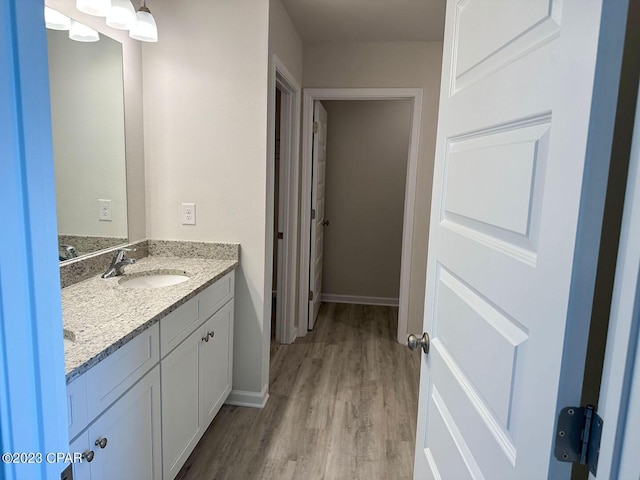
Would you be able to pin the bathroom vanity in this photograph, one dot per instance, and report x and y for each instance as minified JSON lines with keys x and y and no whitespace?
{"x":147,"y":368}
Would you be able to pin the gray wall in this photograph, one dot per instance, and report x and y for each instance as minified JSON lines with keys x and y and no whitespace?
{"x":391,"y":65}
{"x":367,"y":150}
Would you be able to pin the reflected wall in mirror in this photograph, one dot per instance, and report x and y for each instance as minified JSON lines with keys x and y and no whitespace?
{"x":87,"y":111}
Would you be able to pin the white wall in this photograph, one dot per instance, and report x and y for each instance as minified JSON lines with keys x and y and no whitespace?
{"x":284,"y":39}
{"x":391,"y":65}
{"x":366,"y":172}
{"x":205,"y":112}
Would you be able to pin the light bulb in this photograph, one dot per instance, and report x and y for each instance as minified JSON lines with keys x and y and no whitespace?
{"x":81,"y":33}
{"x":98,"y":8}
{"x":55,"y":20}
{"x":145,"y":28}
{"x":122,"y":15}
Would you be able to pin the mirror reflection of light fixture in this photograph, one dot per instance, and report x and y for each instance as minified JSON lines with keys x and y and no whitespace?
{"x":145,"y":28}
{"x":56,"y":20}
{"x":81,"y":33}
{"x":99,"y":8}
{"x":122,"y":15}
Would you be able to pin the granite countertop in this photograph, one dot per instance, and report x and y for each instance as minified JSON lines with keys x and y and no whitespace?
{"x":101,"y":315}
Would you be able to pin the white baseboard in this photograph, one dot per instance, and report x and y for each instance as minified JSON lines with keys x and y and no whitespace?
{"x":243,"y":398}
{"x":359,"y":300}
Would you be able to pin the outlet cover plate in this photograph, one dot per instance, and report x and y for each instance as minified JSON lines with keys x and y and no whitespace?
{"x":188,"y":213}
{"x":104,"y":213}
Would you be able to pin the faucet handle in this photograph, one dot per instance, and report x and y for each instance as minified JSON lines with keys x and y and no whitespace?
{"x":118,"y":254}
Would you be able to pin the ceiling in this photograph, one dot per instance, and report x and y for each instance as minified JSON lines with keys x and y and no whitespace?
{"x":367,"y":20}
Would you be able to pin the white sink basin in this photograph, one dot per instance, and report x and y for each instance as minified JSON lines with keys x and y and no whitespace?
{"x":154,"y":279}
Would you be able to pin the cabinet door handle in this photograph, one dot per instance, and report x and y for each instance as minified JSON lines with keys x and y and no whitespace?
{"x":207,"y":336}
{"x":101,"y":442}
{"x":88,"y":455}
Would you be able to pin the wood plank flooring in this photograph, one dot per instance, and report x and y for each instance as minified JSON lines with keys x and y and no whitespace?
{"x":342,"y":406}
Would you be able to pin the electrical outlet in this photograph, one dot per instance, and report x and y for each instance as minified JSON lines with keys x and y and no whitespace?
{"x":104,"y":213}
{"x":188,"y":213}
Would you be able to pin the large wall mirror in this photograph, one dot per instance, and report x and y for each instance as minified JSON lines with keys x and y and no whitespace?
{"x":87,"y":110}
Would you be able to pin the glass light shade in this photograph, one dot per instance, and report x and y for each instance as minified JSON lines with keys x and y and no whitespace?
{"x":81,"y":33}
{"x":55,"y":20}
{"x":122,"y":15}
{"x":99,"y":8}
{"x":145,"y":28}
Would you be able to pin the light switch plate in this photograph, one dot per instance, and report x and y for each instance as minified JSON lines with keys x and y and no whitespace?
{"x":104,"y":213}
{"x":188,"y":213}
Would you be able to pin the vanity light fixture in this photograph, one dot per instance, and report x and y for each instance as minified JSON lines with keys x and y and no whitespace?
{"x":122,"y":15}
{"x":56,"y":20}
{"x":145,"y":28}
{"x":98,"y":8}
{"x":81,"y":33}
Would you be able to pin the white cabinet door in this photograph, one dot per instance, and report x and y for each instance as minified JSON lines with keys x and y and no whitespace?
{"x":131,"y":428}
{"x":181,"y":425}
{"x":82,"y":470}
{"x":216,"y":362}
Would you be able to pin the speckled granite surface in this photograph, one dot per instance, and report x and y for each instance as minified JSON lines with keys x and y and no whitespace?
{"x":172,"y":248}
{"x":103,"y":315}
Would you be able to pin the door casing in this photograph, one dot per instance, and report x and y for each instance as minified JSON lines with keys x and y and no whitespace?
{"x":310,"y":96}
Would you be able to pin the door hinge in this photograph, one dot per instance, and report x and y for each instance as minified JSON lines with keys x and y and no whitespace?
{"x":578,"y":436}
{"x":315,"y":127}
{"x":313,"y":214}
{"x":310,"y":295}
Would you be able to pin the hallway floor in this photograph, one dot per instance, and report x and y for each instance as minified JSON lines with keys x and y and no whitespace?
{"x":342,"y":406}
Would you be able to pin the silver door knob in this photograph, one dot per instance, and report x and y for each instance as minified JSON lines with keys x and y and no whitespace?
{"x":101,"y":442}
{"x":414,"y":342}
{"x":88,"y":455}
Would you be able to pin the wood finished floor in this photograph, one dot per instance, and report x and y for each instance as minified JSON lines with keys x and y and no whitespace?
{"x":342,"y":406}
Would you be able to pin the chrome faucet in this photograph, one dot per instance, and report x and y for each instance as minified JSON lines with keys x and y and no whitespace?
{"x":118,"y":262}
{"x":69,"y":251}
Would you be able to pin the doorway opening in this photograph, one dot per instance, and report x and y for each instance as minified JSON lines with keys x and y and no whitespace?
{"x":310,"y":97}
{"x":282,"y":206}
{"x":359,"y":175}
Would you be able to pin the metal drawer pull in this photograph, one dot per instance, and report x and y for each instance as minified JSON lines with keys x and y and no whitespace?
{"x":88,"y":455}
{"x":101,"y":442}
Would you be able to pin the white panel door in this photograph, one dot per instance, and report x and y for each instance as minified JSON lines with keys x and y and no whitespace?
{"x":515,"y":115}
{"x":317,"y":204}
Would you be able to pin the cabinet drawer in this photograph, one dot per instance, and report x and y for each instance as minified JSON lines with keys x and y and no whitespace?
{"x":177,"y":326}
{"x":181,"y":323}
{"x":216,"y":296}
{"x":77,"y":414}
{"x":115,"y":374}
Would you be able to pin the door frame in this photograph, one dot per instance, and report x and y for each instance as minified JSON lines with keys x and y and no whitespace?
{"x":620,"y":386}
{"x":33,"y":413}
{"x":309,"y":97}
{"x":283,"y":80}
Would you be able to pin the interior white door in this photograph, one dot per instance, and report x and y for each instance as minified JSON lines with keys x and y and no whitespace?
{"x":317,"y":205}
{"x":511,"y":252}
